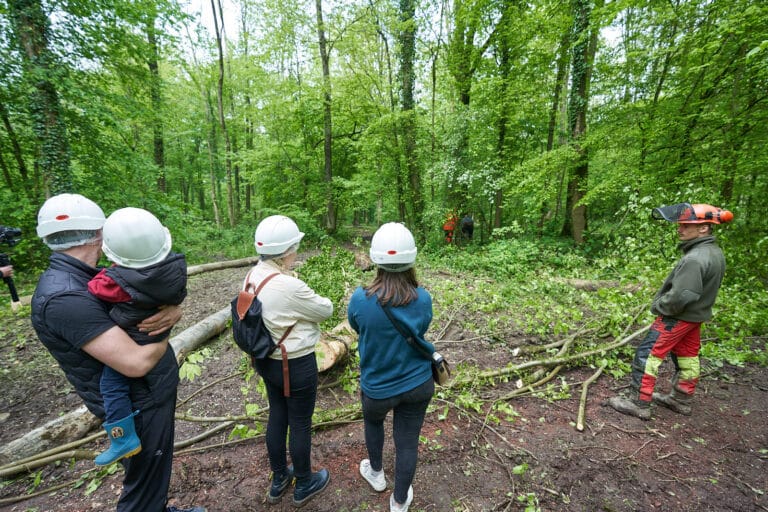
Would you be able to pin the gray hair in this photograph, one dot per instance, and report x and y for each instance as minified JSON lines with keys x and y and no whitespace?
{"x":292,"y":249}
{"x":64,"y":240}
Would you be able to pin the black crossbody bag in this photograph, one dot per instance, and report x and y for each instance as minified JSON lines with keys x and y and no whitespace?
{"x":441,"y":371}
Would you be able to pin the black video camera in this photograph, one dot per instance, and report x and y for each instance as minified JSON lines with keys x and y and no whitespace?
{"x":9,"y":236}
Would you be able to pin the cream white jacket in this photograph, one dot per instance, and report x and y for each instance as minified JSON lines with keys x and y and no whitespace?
{"x":285,"y":301}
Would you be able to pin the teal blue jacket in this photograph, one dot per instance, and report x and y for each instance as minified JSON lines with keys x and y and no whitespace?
{"x":389,"y":366}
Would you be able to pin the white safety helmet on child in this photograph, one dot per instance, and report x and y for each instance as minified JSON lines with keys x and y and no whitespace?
{"x":393,"y":247}
{"x":68,"y":220}
{"x":134,"y":238}
{"x":275,"y":235}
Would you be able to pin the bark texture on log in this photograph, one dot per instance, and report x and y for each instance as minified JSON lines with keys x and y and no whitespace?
{"x":192,"y":337}
{"x":64,"y":429}
{"x":333,"y":346}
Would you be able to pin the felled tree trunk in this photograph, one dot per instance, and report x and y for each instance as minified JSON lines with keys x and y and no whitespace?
{"x":192,"y":337}
{"x":219,"y":265}
{"x":64,"y":429}
{"x":333,"y":346}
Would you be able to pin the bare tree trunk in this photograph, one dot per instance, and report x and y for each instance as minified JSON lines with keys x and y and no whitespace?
{"x":560,"y":84}
{"x":158,"y":142}
{"x":330,"y":211}
{"x":212,"y":158}
{"x":218,"y":16}
{"x":15,"y":146}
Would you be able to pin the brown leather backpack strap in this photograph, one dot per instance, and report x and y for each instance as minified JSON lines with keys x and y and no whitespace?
{"x":245,"y":298}
{"x":286,"y":370}
{"x":265,"y":281}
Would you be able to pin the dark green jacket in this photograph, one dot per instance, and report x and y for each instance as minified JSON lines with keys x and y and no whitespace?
{"x":691,"y":288}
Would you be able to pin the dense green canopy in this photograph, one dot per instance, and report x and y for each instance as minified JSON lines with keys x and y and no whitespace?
{"x":538,"y":118}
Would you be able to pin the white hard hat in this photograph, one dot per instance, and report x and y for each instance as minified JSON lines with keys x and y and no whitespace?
{"x":393,"y":247}
{"x":276,"y":234}
{"x":134,"y":238}
{"x":68,"y":212}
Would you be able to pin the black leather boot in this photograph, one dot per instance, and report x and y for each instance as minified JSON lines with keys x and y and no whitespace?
{"x":675,"y":401}
{"x":631,"y":406}
{"x":280,"y":483}
{"x":309,"y":487}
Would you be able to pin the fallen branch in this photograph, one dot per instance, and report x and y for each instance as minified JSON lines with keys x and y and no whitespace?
{"x":53,"y":488}
{"x":583,"y":401}
{"x":530,"y":388}
{"x":596,"y":284}
{"x":553,"y":361}
{"x":208,"y":386}
{"x":39,"y":462}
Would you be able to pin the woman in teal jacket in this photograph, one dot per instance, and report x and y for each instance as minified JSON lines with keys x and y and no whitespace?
{"x":394,"y":376}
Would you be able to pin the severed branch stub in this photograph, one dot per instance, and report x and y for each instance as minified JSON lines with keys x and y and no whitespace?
{"x":583,"y":401}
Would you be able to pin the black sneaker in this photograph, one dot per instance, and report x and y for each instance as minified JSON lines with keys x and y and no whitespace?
{"x":309,"y":487}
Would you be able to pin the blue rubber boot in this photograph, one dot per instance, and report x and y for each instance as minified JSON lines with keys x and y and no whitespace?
{"x":309,"y":487}
{"x":280,"y":483}
{"x":123,"y":441}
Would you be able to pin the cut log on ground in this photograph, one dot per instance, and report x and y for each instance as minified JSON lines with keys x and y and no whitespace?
{"x":64,"y":429}
{"x":333,"y":346}
{"x":192,"y":337}
{"x":220,"y":265}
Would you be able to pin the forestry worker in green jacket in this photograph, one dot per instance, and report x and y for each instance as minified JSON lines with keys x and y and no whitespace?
{"x":682,"y":303}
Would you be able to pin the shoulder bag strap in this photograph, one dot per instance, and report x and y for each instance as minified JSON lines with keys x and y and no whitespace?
{"x":245,"y":298}
{"x":407,"y":335}
{"x":286,"y":370}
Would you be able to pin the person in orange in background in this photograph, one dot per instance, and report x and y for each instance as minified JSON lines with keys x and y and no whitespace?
{"x":450,"y":226}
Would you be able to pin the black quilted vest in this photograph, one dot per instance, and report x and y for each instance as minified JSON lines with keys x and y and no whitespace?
{"x":69,"y":275}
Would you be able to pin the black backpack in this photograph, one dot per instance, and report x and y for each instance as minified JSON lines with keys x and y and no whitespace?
{"x":250,"y":333}
{"x":248,"y":328}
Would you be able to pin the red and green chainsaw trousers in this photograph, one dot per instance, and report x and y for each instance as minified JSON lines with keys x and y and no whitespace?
{"x":667,"y":335}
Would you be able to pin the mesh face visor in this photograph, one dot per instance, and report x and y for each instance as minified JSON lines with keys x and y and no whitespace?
{"x":680,"y":212}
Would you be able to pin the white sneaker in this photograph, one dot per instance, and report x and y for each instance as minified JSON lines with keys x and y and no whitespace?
{"x":375,"y":478}
{"x":395,"y":507}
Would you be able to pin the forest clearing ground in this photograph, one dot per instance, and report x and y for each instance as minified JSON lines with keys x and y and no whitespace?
{"x":531,"y":456}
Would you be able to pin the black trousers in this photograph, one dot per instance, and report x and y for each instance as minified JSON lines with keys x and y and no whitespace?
{"x":294,"y":412}
{"x":408,"y":411}
{"x":148,"y":474}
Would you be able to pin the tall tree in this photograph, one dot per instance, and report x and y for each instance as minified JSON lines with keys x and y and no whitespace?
{"x":155,"y":91}
{"x":218,"y":17}
{"x":584,"y":47}
{"x":325,"y":58}
{"x":31,"y":30}
{"x":407,"y":39}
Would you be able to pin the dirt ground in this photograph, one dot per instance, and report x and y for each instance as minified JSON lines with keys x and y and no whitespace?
{"x":531,"y":458}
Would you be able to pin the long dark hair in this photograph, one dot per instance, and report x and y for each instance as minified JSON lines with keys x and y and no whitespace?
{"x":394,"y":288}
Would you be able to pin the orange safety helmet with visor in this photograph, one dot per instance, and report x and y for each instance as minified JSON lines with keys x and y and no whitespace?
{"x":687,"y":213}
